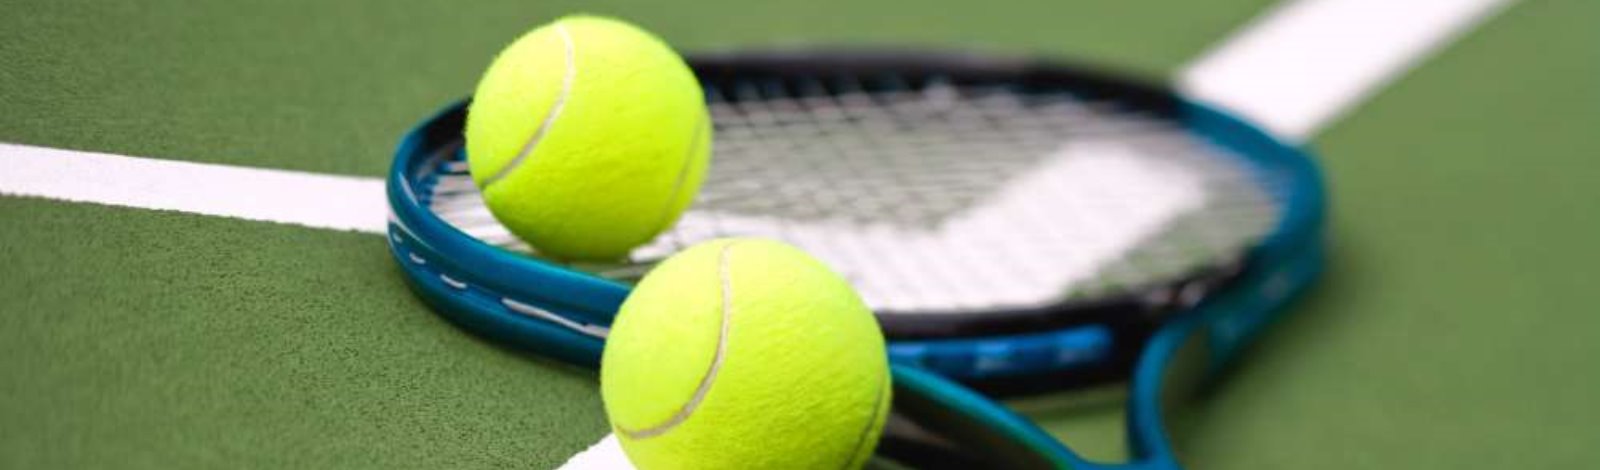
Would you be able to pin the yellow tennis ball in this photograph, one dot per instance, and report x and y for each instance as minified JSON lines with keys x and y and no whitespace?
{"x":743,"y":353}
{"x":588,"y":136}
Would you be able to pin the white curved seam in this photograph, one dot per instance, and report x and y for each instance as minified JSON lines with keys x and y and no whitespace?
{"x":716,"y":362}
{"x":555,"y":110}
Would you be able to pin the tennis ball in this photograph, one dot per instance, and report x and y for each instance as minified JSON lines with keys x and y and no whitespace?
{"x":587,"y":137}
{"x":743,"y":353}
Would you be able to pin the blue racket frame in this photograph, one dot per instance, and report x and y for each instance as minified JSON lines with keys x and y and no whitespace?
{"x":567,"y":312}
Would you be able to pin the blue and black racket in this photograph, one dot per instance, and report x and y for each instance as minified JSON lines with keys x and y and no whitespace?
{"x":1016,"y":226}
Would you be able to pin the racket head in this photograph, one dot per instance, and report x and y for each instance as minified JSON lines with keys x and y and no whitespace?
{"x":563,"y":310}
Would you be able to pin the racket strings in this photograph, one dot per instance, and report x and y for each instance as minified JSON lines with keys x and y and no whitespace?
{"x":997,"y":121}
{"x":931,"y":196}
{"x":896,"y":156}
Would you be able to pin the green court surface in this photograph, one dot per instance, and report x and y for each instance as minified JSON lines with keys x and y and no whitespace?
{"x":1456,"y":327}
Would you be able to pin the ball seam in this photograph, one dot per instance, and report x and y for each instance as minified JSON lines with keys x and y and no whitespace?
{"x":568,"y":77}
{"x":689,"y":407}
{"x":862,"y":443}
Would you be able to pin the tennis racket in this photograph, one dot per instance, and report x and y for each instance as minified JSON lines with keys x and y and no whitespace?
{"x":1007,"y":222}
{"x":1016,"y":227}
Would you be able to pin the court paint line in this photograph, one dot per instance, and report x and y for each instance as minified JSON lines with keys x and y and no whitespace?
{"x":1303,"y":64}
{"x":1293,"y":69}
{"x":282,"y":196}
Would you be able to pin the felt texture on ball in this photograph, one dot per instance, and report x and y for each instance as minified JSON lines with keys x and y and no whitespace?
{"x":587,"y":137}
{"x":745,"y":353}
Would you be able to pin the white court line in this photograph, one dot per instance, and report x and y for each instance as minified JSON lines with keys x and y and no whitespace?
{"x":1293,"y":69}
{"x":287,"y":197}
{"x":604,"y":455}
{"x":1304,"y":63}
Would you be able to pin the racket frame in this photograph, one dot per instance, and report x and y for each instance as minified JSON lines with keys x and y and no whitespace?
{"x":564,"y":313}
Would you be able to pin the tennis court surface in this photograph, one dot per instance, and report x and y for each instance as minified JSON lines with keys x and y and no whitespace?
{"x":1455,"y":326}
